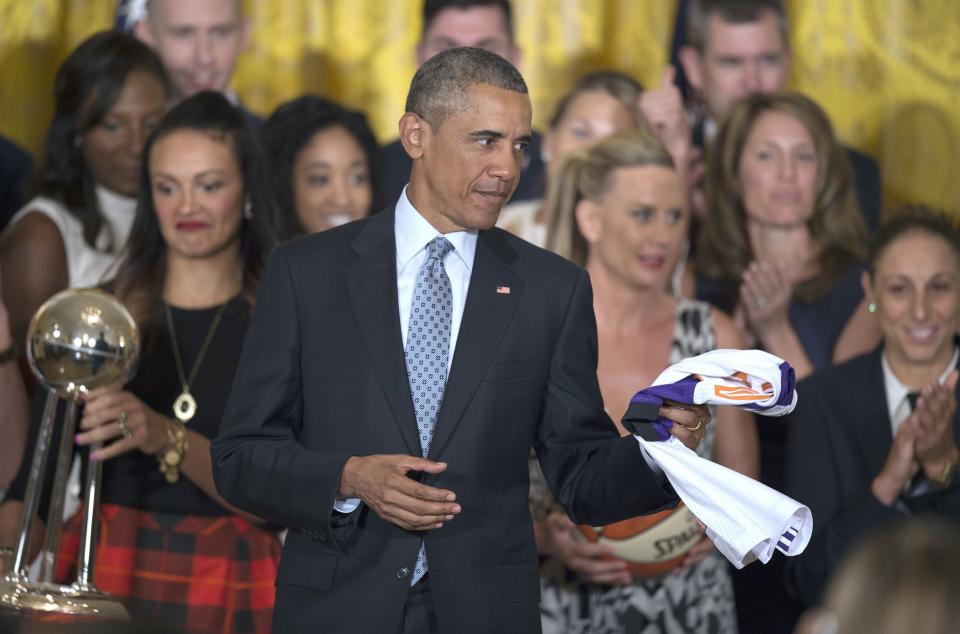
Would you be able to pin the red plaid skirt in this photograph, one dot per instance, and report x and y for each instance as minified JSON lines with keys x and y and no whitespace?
{"x":197,"y":574}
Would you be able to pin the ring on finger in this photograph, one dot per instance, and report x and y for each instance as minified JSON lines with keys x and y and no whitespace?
{"x":122,"y":422}
{"x":695,"y":427}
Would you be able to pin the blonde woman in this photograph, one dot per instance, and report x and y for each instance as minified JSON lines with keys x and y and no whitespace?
{"x":619,"y":209}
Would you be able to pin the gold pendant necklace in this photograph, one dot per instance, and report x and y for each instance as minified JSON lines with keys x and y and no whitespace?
{"x":185,"y":407}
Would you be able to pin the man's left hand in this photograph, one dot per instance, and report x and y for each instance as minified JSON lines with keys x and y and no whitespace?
{"x":689,"y":422}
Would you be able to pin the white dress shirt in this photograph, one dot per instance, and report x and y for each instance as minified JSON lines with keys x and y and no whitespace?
{"x":413,"y":233}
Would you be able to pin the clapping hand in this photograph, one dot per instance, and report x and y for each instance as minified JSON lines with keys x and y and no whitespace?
{"x":900,"y":466}
{"x":932,"y":417}
{"x":765,"y":297}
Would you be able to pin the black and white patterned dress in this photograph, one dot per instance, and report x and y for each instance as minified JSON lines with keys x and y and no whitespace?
{"x":697,"y":600}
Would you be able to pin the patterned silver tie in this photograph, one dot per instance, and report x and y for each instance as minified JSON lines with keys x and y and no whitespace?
{"x":427,"y":351}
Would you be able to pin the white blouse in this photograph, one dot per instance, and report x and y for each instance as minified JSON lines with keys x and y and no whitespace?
{"x":87,"y":266}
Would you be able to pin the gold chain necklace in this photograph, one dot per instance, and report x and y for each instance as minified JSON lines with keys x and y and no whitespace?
{"x":185,"y":407}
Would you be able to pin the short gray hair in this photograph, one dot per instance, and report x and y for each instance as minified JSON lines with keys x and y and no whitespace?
{"x":441,"y":86}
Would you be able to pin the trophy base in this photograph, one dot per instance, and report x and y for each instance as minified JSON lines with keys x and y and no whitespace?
{"x":55,"y":602}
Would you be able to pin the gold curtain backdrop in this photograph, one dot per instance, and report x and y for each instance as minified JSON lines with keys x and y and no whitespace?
{"x":887,"y":71}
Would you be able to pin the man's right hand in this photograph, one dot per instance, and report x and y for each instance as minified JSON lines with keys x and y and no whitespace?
{"x":383,"y":484}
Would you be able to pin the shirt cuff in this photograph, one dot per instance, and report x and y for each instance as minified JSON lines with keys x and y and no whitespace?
{"x":347,"y":505}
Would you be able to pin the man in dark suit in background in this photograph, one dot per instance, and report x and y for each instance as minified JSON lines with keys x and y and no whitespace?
{"x":486,"y":24}
{"x":734,"y":48}
{"x":397,"y":372}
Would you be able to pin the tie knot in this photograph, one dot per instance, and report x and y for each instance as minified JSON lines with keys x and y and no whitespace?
{"x":438,"y":248}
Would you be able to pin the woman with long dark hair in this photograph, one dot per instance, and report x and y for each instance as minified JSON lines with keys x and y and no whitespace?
{"x":109,"y":94}
{"x":324,"y":164}
{"x":783,"y":243}
{"x":170,"y":547}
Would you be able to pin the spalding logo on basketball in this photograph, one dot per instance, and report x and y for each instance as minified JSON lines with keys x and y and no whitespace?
{"x":651,"y":545}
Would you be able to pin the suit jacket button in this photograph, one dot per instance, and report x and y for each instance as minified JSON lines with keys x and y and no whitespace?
{"x":403,"y":573}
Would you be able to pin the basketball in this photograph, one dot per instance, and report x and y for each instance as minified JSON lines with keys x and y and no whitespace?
{"x":652,"y":545}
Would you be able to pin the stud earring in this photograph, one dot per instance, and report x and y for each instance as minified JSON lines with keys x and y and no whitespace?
{"x":248,"y":210}
{"x":871,"y":307}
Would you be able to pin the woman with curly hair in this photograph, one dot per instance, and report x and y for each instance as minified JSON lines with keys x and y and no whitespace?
{"x":324,"y":163}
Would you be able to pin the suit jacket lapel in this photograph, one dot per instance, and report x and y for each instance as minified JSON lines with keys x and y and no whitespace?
{"x":486,"y":316}
{"x":372,"y":286}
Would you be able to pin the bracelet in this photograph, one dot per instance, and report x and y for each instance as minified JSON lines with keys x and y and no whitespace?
{"x":946,"y":474}
{"x":171,"y":455}
{"x":8,"y":355}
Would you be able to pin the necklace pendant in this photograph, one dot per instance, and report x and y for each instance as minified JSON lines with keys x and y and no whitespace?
{"x":184,"y":407}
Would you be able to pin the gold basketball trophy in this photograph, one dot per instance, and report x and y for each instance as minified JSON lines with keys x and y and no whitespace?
{"x":79,"y":340}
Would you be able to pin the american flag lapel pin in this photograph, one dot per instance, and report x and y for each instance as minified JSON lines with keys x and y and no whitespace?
{"x":503,"y":290}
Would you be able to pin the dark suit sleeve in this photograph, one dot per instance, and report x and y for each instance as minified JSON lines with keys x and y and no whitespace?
{"x":597,"y":476}
{"x":815,"y":475}
{"x":258,"y":465}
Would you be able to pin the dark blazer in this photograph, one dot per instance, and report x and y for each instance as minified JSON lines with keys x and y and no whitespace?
{"x":397,"y":165}
{"x":322,"y":377}
{"x":839,"y":438}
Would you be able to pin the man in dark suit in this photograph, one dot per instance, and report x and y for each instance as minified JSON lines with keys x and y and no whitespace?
{"x":397,"y":372}
{"x":734,"y":48}
{"x":486,"y":24}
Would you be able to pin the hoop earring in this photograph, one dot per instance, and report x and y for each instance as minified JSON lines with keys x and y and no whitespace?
{"x":248,"y":210}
